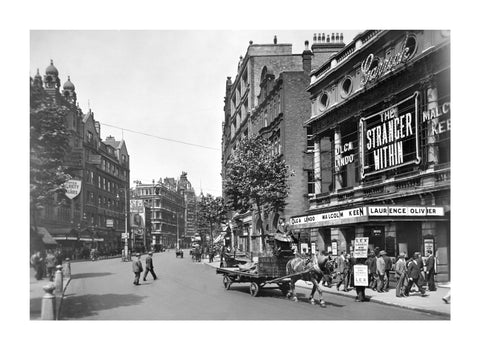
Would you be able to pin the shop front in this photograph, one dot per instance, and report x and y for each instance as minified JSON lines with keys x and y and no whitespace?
{"x":395,"y":229}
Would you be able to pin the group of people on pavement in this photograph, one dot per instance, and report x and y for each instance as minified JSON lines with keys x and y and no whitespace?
{"x":44,"y":263}
{"x":138,"y":268}
{"x":408,"y":273}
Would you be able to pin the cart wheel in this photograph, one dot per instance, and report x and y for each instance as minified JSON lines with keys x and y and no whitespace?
{"x":284,"y":288}
{"x":254,"y":289}
{"x":227,"y":282}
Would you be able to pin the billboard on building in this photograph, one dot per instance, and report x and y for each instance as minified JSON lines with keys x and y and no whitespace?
{"x":390,"y":138}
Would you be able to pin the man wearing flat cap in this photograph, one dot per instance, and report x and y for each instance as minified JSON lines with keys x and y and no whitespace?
{"x":380,"y":271}
{"x":137,"y":269}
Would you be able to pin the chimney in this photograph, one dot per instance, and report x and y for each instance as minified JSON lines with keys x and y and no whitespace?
{"x":307,"y":56}
{"x":325,"y":47}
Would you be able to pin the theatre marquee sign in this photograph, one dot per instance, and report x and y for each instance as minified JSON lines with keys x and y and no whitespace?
{"x":362,"y":214}
{"x":389,"y":139}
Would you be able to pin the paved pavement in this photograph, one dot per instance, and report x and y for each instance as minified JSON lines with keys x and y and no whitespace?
{"x":431,"y":303}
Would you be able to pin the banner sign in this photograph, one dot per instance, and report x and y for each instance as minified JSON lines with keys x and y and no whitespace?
{"x":389,"y":139}
{"x":360,"y":248}
{"x":360,"y":275}
{"x":95,"y":159}
{"x":73,"y":188}
{"x":405,"y":211}
{"x":334,"y":215}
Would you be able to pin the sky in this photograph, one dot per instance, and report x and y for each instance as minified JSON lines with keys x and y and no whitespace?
{"x":165,"y":83}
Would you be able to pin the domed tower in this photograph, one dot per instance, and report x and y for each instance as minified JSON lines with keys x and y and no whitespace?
{"x":52,"y":82}
{"x":69,"y":92}
{"x":37,"y":80}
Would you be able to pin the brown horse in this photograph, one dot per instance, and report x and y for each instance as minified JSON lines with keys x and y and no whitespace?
{"x":311,"y":273}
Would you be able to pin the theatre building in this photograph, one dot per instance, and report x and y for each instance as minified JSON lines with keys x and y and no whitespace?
{"x":380,"y":125}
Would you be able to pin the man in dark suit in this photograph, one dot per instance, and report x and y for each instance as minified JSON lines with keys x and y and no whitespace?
{"x":149,"y":267}
{"x":414,"y":270}
{"x":137,"y":269}
{"x":430,"y":269}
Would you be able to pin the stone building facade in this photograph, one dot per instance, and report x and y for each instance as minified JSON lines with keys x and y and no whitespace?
{"x":380,"y":124}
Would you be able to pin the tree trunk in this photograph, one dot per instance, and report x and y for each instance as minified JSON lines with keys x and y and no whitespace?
{"x":262,"y":233}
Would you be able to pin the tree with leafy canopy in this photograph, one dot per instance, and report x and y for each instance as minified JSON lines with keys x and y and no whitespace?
{"x":49,"y":144}
{"x":256,"y":179}
{"x":211,"y":213}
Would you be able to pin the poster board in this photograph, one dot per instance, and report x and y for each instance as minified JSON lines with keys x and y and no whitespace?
{"x":360,"y":275}
{"x":428,"y":244}
{"x":360,"y":247}
{"x":334,"y":248}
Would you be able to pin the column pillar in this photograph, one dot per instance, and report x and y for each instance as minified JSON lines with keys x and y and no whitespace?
{"x":316,"y":166}
{"x":432,"y":125}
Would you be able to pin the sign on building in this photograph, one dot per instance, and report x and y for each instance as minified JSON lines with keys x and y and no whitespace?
{"x":390,"y":138}
{"x":73,"y":188}
{"x":360,"y":249}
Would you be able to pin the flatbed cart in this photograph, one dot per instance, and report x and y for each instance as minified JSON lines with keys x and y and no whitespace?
{"x":257,"y":281}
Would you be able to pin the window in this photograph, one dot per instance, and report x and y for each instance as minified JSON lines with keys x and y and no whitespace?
{"x":324,"y":101}
{"x":310,"y":140}
{"x":311,"y":182}
{"x":89,"y":137}
{"x":346,"y":87}
{"x":326,"y":164}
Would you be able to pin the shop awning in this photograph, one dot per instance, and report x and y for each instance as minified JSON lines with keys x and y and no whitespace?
{"x":46,"y":236}
{"x":219,"y":237}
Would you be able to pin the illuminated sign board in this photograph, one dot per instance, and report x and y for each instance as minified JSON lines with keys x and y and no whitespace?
{"x":389,"y":139}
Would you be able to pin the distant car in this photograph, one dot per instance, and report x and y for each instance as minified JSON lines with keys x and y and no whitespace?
{"x":179,"y":253}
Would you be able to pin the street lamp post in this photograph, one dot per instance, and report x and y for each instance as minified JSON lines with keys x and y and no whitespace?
{"x":126,"y":223}
{"x":177,"y":232}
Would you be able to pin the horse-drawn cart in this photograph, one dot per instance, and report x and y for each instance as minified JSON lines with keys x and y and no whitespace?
{"x":268,"y":271}
{"x":257,"y":282}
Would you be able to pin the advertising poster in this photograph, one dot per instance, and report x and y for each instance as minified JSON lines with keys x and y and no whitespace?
{"x":360,"y":247}
{"x":360,"y":275}
{"x":334,"y":248}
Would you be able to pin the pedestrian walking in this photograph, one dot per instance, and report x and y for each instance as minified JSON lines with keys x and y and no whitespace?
{"x":149,"y":267}
{"x":37,"y":263}
{"x":400,"y":275}
{"x":50,"y":261}
{"x":137,"y":269}
{"x":388,"y":268}
{"x":372,"y":268}
{"x":414,"y":275}
{"x":380,"y":271}
{"x":430,"y":271}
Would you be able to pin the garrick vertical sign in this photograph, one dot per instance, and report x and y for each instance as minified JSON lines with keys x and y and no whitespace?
{"x":389,"y":139}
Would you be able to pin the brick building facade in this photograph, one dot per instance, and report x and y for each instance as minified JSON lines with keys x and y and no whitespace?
{"x":268,"y":97}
